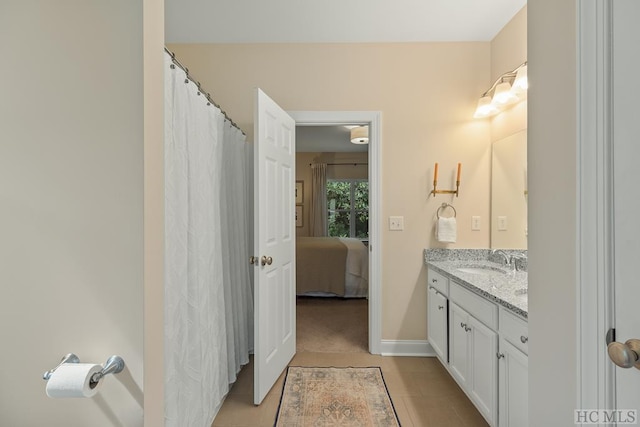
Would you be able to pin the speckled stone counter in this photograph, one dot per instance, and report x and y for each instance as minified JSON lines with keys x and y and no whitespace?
{"x":507,"y":287}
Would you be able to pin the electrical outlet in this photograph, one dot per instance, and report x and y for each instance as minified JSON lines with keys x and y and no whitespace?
{"x":502,"y":223}
{"x":396,"y":223}
{"x":475,"y":223}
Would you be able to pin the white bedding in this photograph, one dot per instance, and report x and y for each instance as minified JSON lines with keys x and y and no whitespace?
{"x":357,"y":272}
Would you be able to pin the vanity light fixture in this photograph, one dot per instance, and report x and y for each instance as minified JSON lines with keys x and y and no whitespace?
{"x":360,"y":135}
{"x":521,"y":82}
{"x":508,"y":89}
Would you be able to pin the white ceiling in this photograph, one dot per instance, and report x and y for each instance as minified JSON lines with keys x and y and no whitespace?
{"x":334,"y":21}
{"x":326,"y":139}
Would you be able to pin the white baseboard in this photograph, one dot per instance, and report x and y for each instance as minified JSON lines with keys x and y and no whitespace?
{"x":406,"y":348}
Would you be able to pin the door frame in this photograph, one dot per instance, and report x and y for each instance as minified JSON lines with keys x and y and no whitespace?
{"x":374,"y":120}
{"x":595,"y":284}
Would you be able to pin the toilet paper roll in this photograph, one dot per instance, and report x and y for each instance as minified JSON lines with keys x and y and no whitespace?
{"x":73,"y":380}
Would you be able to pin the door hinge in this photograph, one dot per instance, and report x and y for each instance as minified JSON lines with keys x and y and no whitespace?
{"x":611,"y":335}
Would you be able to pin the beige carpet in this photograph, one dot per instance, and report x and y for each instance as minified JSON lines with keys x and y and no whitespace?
{"x":315,"y":397}
{"x":332,"y":325}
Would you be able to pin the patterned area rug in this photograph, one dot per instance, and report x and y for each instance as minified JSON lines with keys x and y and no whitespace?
{"x":318,"y":397}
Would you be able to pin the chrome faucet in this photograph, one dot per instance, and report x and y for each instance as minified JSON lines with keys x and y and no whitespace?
{"x":502,"y":253}
{"x":513,"y":260}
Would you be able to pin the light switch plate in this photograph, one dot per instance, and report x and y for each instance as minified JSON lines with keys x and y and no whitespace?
{"x":502,"y":223}
{"x":475,"y":223}
{"x":396,"y":223}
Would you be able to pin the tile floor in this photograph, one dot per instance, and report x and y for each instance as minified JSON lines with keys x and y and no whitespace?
{"x":422,"y":391}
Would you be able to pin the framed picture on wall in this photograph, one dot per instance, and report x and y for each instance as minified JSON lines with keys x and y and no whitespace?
{"x":299,"y":215}
{"x":299,"y":192}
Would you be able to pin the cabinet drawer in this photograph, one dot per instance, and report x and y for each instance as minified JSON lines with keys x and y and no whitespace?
{"x":483,"y":310}
{"x":438,"y":282}
{"x":514,"y":330}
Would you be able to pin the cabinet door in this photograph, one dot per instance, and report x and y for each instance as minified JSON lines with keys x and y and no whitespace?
{"x":483,"y":343}
{"x":514,"y":379}
{"x":437,"y":324}
{"x":458,"y":344}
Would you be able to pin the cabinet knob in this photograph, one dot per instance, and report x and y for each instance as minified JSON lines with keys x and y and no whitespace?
{"x":463,"y":325}
{"x":440,"y":307}
{"x":467,"y":328}
{"x":523,"y":339}
{"x":500,"y":355}
{"x":434,"y":280}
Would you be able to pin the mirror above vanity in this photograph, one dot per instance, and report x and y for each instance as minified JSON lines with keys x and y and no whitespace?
{"x":509,"y":192}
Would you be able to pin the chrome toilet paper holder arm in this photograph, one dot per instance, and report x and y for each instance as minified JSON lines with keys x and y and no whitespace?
{"x":113,"y":365}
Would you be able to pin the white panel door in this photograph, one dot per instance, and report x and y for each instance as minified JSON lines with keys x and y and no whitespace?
{"x":626,"y":149}
{"x":274,"y":243}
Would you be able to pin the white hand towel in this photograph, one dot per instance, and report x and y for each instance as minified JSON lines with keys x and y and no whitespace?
{"x":446,"y":230}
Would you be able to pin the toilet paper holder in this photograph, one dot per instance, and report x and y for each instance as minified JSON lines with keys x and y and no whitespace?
{"x":113,"y":365}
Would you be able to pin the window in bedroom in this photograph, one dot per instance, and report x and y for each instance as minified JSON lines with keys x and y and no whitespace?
{"x":348,"y":208}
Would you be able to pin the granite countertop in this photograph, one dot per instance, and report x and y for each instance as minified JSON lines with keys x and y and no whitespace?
{"x":505,"y":287}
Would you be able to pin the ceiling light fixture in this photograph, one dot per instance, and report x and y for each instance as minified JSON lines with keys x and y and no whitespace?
{"x":508,"y":89}
{"x":360,"y":135}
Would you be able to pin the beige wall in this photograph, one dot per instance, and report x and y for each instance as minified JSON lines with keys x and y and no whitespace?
{"x":71,"y":206}
{"x":552,"y":154}
{"x":303,"y":173}
{"x":427,"y":94}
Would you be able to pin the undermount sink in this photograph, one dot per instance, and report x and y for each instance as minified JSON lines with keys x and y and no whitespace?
{"x":481,"y":270}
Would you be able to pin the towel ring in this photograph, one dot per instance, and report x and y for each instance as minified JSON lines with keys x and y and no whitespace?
{"x":443,"y":207}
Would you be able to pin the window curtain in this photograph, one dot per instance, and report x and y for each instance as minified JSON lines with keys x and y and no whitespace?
{"x":208,"y":298}
{"x":318,"y":209}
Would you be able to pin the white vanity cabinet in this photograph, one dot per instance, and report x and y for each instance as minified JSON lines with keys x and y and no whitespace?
{"x":472,"y":352}
{"x":484,"y":347}
{"x":437,"y":323}
{"x":513,"y":371}
{"x":438,"y":307}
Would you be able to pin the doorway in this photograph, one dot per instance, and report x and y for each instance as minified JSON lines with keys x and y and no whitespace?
{"x":372,"y":120}
{"x":332,"y":233}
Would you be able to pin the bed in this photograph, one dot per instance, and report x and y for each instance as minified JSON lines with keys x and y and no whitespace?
{"x":332,"y":266}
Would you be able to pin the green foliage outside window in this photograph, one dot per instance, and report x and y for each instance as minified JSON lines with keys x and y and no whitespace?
{"x":348,"y":208}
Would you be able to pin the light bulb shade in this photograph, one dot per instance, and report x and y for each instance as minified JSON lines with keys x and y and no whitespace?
{"x":360,"y":135}
{"x":503,"y":94}
{"x":521,"y":83}
{"x":485,"y":108}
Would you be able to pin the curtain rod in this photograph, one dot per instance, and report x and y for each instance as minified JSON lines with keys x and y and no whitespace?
{"x":342,"y":164}
{"x":197,"y":83}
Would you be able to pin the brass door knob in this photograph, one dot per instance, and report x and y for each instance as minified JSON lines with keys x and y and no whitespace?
{"x":625,"y":355}
{"x":266,"y":260}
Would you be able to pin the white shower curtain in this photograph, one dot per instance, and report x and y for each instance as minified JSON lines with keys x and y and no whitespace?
{"x":208,"y":296}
